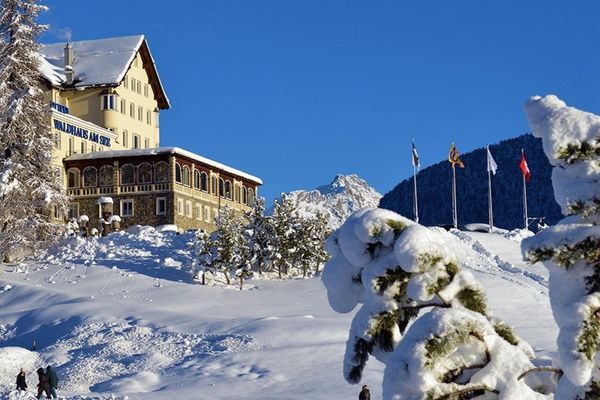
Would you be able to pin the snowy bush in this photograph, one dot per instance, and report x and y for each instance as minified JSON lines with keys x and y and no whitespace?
{"x":394,"y":269}
{"x":571,"y":249}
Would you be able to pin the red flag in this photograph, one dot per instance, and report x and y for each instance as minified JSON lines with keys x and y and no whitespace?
{"x":524,"y":167}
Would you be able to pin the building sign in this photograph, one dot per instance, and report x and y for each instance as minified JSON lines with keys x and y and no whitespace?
{"x":82,"y":133}
{"x":59,"y":107}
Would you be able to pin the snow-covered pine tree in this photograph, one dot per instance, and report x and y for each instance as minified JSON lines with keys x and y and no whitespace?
{"x":311,"y":254}
{"x":286,"y":223}
{"x":30,"y":189}
{"x":260,"y":237}
{"x":571,"y":249}
{"x":395,"y":268}
{"x":227,"y":243}
{"x":203,"y":250}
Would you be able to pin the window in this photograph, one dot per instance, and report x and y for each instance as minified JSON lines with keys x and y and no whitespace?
{"x":138,"y":87}
{"x":146,"y":143}
{"x":140,"y":113}
{"x":83,"y":147}
{"x":161,"y":206}
{"x":213,"y":181}
{"x":73,"y":210}
{"x":204,"y":181}
{"x":109,"y":101}
{"x":127,"y":208}
{"x":145,"y":89}
{"x":148,"y":117}
{"x":106,"y":175}
{"x":90,"y":177}
{"x":93,"y":148}
{"x":135,"y":61}
{"x":198,"y":212}
{"x":56,"y":212}
{"x":228,"y":190}
{"x":100,"y":148}
{"x":71,"y":145}
{"x":186,"y":175}
{"x":156,"y":118}
{"x":161,"y":171}
{"x":73,"y":178}
{"x":177,"y":173}
{"x":126,"y":82}
{"x":236,"y":193}
{"x":56,"y":140}
{"x":221,"y":187}
{"x":125,"y":138}
{"x":145,"y":173}
{"x":244,"y":195}
{"x":250,"y":197}
{"x":132,"y":83}
{"x":180,"y":206}
{"x":206,"y":214}
{"x":123,"y":107}
{"x":196,"y":179}
{"x":188,"y":209}
{"x":136,"y":141}
{"x":132,"y":110}
{"x":127,"y":174}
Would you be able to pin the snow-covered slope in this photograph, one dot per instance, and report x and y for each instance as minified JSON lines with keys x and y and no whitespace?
{"x":344,"y":195}
{"x":121,"y":315}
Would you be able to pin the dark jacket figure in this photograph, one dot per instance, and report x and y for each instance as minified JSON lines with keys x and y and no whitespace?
{"x":52,"y":380}
{"x":364,"y":393}
{"x":21,"y":384}
{"x":43,"y":385}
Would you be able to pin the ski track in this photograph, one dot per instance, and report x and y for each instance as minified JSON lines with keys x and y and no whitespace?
{"x":492,"y":264}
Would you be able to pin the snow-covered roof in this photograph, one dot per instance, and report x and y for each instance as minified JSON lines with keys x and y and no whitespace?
{"x":101,"y":62}
{"x":163,"y":150}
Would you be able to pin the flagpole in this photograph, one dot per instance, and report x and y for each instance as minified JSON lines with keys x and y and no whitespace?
{"x":490,"y":209}
{"x":454,"y":213}
{"x":525,"y":202}
{"x":415,"y":198}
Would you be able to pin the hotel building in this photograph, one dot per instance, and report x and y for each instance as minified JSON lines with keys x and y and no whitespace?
{"x":105,"y":98}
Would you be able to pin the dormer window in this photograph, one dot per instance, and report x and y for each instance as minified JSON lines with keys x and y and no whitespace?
{"x":109,"y":101}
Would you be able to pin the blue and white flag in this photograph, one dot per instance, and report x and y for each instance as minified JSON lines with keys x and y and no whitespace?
{"x":415,"y":156}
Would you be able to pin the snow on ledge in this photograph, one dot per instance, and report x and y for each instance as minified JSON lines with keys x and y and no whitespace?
{"x":105,"y":200}
{"x":162,"y":150}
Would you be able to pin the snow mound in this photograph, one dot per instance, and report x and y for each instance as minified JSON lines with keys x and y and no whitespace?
{"x":127,"y":356}
{"x":12,"y":359}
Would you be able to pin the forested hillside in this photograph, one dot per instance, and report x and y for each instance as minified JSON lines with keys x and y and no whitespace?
{"x":435,"y":188}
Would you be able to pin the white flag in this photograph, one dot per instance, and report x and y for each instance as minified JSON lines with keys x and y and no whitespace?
{"x":491,"y":164}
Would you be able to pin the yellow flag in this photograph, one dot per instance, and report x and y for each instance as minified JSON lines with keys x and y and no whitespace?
{"x":454,"y":156}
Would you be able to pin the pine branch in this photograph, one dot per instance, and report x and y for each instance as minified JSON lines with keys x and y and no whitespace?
{"x":466,"y":391}
{"x":540,"y":369}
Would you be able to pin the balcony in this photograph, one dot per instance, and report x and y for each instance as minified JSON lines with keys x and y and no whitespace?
{"x":116,"y":190}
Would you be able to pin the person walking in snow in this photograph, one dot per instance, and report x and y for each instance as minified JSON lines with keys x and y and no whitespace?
{"x":43,"y":385}
{"x":52,"y":380}
{"x":21,"y":384}
{"x":364,"y":393}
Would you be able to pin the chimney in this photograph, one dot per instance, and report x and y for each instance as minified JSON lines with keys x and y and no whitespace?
{"x":69,"y":64}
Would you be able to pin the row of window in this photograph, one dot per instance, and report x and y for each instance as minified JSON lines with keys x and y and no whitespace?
{"x":136,"y":86}
{"x":83,"y":146}
{"x":111,"y":102}
{"x":201,"y":213}
{"x":136,"y":140}
{"x":129,"y":174}
{"x":240,"y":194}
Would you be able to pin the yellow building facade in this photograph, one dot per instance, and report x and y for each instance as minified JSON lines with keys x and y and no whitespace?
{"x":105,"y":98}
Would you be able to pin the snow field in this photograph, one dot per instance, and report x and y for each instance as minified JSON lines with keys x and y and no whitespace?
{"x":278,"y":341}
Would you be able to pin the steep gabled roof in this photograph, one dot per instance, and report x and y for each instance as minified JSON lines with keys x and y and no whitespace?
{"x":101,"y":62}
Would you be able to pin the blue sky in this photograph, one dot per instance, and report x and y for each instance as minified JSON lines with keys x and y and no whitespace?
{"x":298,"y":91}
